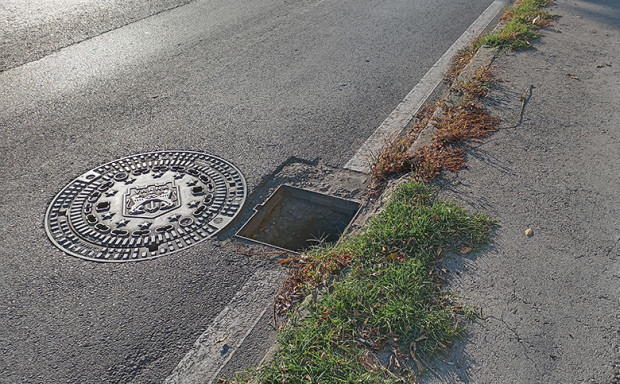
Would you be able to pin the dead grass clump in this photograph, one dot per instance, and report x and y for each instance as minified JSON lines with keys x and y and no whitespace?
{"x":394,"y":158}
{"x":423,"y":117}
{"x":507,"y":16}
{"x":460,"y":124}
{"x":307,"y":272}
{"x":544,"y":21}
{"x":461,"y":59}
{"x":465,"y":122}
{"x":430,"y":160}
{"x":477,"y":86}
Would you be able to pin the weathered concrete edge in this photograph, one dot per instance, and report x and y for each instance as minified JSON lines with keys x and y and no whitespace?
{"x":217,"y":344}
{"x":484,"y":57}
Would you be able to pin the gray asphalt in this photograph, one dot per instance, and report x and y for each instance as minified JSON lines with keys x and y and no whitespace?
{"x":550,"y":303}
{"x":35,"y":28}
{"x":256,"y":83}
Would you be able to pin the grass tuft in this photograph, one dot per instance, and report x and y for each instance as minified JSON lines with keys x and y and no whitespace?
{"x":379,"y":321}
{"x":477,"y":86}
{"x":461,"y":59}
{"x":465,"y":122}
{"x":394,"y":158}
{"x":460,"y":124}
{"x":522,"y":24}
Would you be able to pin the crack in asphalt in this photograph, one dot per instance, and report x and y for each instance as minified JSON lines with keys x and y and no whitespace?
{"x":519,"y":339}
{"x":614,"y":245}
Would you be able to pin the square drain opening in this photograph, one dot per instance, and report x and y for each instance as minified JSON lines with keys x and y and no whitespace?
{"x":295,"y":219}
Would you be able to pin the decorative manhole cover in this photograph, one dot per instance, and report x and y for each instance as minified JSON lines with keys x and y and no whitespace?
{"x":145,"y":206}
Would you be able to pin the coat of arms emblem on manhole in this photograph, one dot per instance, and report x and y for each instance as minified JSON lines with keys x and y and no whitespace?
{"x":151,"y":200}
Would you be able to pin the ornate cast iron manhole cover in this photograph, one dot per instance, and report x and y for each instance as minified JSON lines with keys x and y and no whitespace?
{"x":145,"y":206}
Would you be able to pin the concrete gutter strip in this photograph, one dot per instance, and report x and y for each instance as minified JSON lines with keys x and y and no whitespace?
{"x":218,"y":343}
{"x":484,"y":57}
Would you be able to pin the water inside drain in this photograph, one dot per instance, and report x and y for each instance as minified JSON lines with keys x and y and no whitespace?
{"x":295,"y":219}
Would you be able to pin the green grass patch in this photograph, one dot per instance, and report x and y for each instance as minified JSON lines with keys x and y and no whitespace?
{"x":522,"y":24}
{"x":386,"y":313}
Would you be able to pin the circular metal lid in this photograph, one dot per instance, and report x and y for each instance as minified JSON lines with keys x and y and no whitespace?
{"x":145,"y":206}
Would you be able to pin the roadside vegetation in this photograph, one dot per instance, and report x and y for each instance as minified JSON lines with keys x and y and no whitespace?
{"x":521,"y":25}
{"x":457,"y":126}
{"x":461,"y":59}
{"x":381,"y":312}
{"x":459,"y":119}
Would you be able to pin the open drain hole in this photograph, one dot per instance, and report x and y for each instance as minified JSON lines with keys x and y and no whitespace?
{"x":296,"y":219}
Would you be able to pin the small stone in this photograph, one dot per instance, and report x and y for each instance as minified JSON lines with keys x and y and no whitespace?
{"x":529,"y":232}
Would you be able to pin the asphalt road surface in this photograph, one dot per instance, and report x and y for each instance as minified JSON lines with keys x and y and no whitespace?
{"x":256,"y":83}
{"x":35,"y":28}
